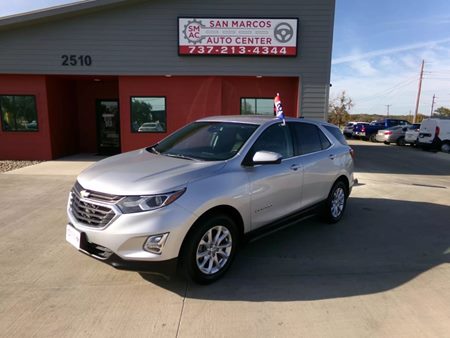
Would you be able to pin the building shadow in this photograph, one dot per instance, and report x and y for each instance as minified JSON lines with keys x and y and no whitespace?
{"x":379,"y":245}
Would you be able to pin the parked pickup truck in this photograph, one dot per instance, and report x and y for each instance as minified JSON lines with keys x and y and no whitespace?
{"x":372,"y":129}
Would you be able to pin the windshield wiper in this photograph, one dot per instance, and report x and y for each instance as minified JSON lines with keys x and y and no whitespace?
{"x":180,"y":156}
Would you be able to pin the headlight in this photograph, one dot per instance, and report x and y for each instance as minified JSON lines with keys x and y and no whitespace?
{"x":133,"y":204}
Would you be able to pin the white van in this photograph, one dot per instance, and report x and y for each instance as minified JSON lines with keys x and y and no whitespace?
{"x":435,"y":133}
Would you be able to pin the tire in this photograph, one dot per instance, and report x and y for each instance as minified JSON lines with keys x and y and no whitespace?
{"x":372,"y":138}
{"x":386,"y":142}
{"x":445,"y":147}
{"x":336,"y":202}
{"x":210,"y":248}
{"x":401,"y":141}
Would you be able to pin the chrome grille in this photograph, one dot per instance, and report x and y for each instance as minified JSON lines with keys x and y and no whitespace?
{"x":87,"y":211}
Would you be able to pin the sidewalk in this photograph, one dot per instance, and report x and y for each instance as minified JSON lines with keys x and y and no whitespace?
{"x":65,"y":166}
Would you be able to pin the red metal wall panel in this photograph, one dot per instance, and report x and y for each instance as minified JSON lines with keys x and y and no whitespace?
{"x":67,"y":107}
{"x":191,"y":97}
{"x":62,"y":112}
{"x":235,"y":88}
{"x":27,"y":145}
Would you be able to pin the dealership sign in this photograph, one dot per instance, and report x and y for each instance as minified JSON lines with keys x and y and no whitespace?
{"x":237,"y":36}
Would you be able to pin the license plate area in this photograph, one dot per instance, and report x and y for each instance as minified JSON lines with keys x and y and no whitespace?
{"x":73,"y":236}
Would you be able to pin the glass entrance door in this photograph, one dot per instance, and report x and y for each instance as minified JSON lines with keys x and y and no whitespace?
{"x":108,"y":127}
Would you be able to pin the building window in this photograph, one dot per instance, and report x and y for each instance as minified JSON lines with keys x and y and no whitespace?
{"x":256,"y":106}
{"x":18,"y":113}
{"x":148,"y":115}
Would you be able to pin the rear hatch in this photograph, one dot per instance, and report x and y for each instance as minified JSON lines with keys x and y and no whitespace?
{"x":428,"y":131}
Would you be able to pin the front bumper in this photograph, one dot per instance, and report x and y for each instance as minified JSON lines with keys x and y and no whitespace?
{"x":122,"y":241}
{"x":105,"y":255}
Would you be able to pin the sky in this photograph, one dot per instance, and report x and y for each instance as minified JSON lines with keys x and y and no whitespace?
{"x":378,"y":47}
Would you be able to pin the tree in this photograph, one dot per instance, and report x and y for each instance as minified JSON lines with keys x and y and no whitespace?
{"x":442,"y":112}
{"x":338,"y":109}
{"x":141,"y":111}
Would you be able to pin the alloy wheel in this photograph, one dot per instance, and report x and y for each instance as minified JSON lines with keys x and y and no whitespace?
{"x":337,"y":202}
{"x":214,"y":249}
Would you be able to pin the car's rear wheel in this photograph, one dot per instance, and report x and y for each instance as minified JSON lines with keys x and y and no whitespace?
{"x":445,"y":147}
{"x":210,"y":248}
{"x":336,"y":202}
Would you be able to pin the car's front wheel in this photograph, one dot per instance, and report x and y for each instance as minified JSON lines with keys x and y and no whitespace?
{"x":210,"y":248}
{"x":336,"y":202}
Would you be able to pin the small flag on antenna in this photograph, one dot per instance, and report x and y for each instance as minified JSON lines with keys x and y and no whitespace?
{"x":279,"y":108}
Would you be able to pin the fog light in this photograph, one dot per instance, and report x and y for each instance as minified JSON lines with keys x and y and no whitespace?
{"x":155,"y":244}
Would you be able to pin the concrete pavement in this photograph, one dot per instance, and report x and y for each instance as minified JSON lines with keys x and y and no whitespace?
{"x":382,"y":272}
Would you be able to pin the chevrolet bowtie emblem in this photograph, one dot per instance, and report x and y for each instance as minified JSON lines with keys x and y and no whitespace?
{"x":85,"y":193}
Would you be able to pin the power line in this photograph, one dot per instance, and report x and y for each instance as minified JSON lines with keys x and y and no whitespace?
{"x":390,"y":89}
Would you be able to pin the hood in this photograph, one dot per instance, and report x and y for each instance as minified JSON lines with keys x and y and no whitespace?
{"x":143,"y":173}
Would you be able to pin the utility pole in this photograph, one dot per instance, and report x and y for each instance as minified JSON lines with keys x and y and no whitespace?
{"x":418,"y":92}
{"x":432,"y":105}
{"x":388,"y":105}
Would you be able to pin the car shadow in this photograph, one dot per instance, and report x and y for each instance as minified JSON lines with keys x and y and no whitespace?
{"x":379,"y":245}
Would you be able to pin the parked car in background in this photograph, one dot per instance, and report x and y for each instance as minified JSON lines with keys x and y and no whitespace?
{"x":435,"y":134}
{"x":348,"y":129}
{"x":372,"y":129}
{"x":412,"y":134}
{"x":194,"y":196}
{"x":359,"y":130}
{"x":32,"y":125}
{"x":150,"y":127}
{"x":394,"y":134}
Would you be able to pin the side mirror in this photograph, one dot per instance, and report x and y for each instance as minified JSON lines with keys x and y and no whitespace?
{"x":266,"y":157}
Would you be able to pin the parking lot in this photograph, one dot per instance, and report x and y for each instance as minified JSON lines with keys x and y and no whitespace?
{"x":382,"y":271}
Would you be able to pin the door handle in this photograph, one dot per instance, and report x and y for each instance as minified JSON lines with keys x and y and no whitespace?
{"x":295,"y":167}
{"x":332,"y":157}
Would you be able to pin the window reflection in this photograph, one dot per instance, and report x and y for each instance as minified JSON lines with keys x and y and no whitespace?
{"x":148,"y":114}
{"x":18,"y":113}
{"x":256,"y":106}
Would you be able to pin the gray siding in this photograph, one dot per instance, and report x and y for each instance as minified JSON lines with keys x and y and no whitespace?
{"x":141,"y":39}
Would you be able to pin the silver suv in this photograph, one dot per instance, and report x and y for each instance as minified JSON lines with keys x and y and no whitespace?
{"x":188,"y":201}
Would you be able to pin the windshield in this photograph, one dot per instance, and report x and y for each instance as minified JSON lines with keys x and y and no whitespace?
{"x":207,"y":141}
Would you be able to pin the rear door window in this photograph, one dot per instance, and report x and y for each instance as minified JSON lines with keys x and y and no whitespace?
{"x":337,"y":134}
{"x":308,"y":138}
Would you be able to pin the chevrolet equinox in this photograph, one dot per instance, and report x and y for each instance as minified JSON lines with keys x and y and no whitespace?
{"x":186,"y":202}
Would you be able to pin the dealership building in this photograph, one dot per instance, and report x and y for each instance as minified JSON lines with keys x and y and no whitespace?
{"x":110,"y":76}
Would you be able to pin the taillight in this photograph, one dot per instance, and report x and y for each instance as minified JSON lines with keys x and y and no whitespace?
{"x":352,"y":153}
{"x":363,"y":128}
{"x":388,"y":132}
{"x":437,"y":131}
